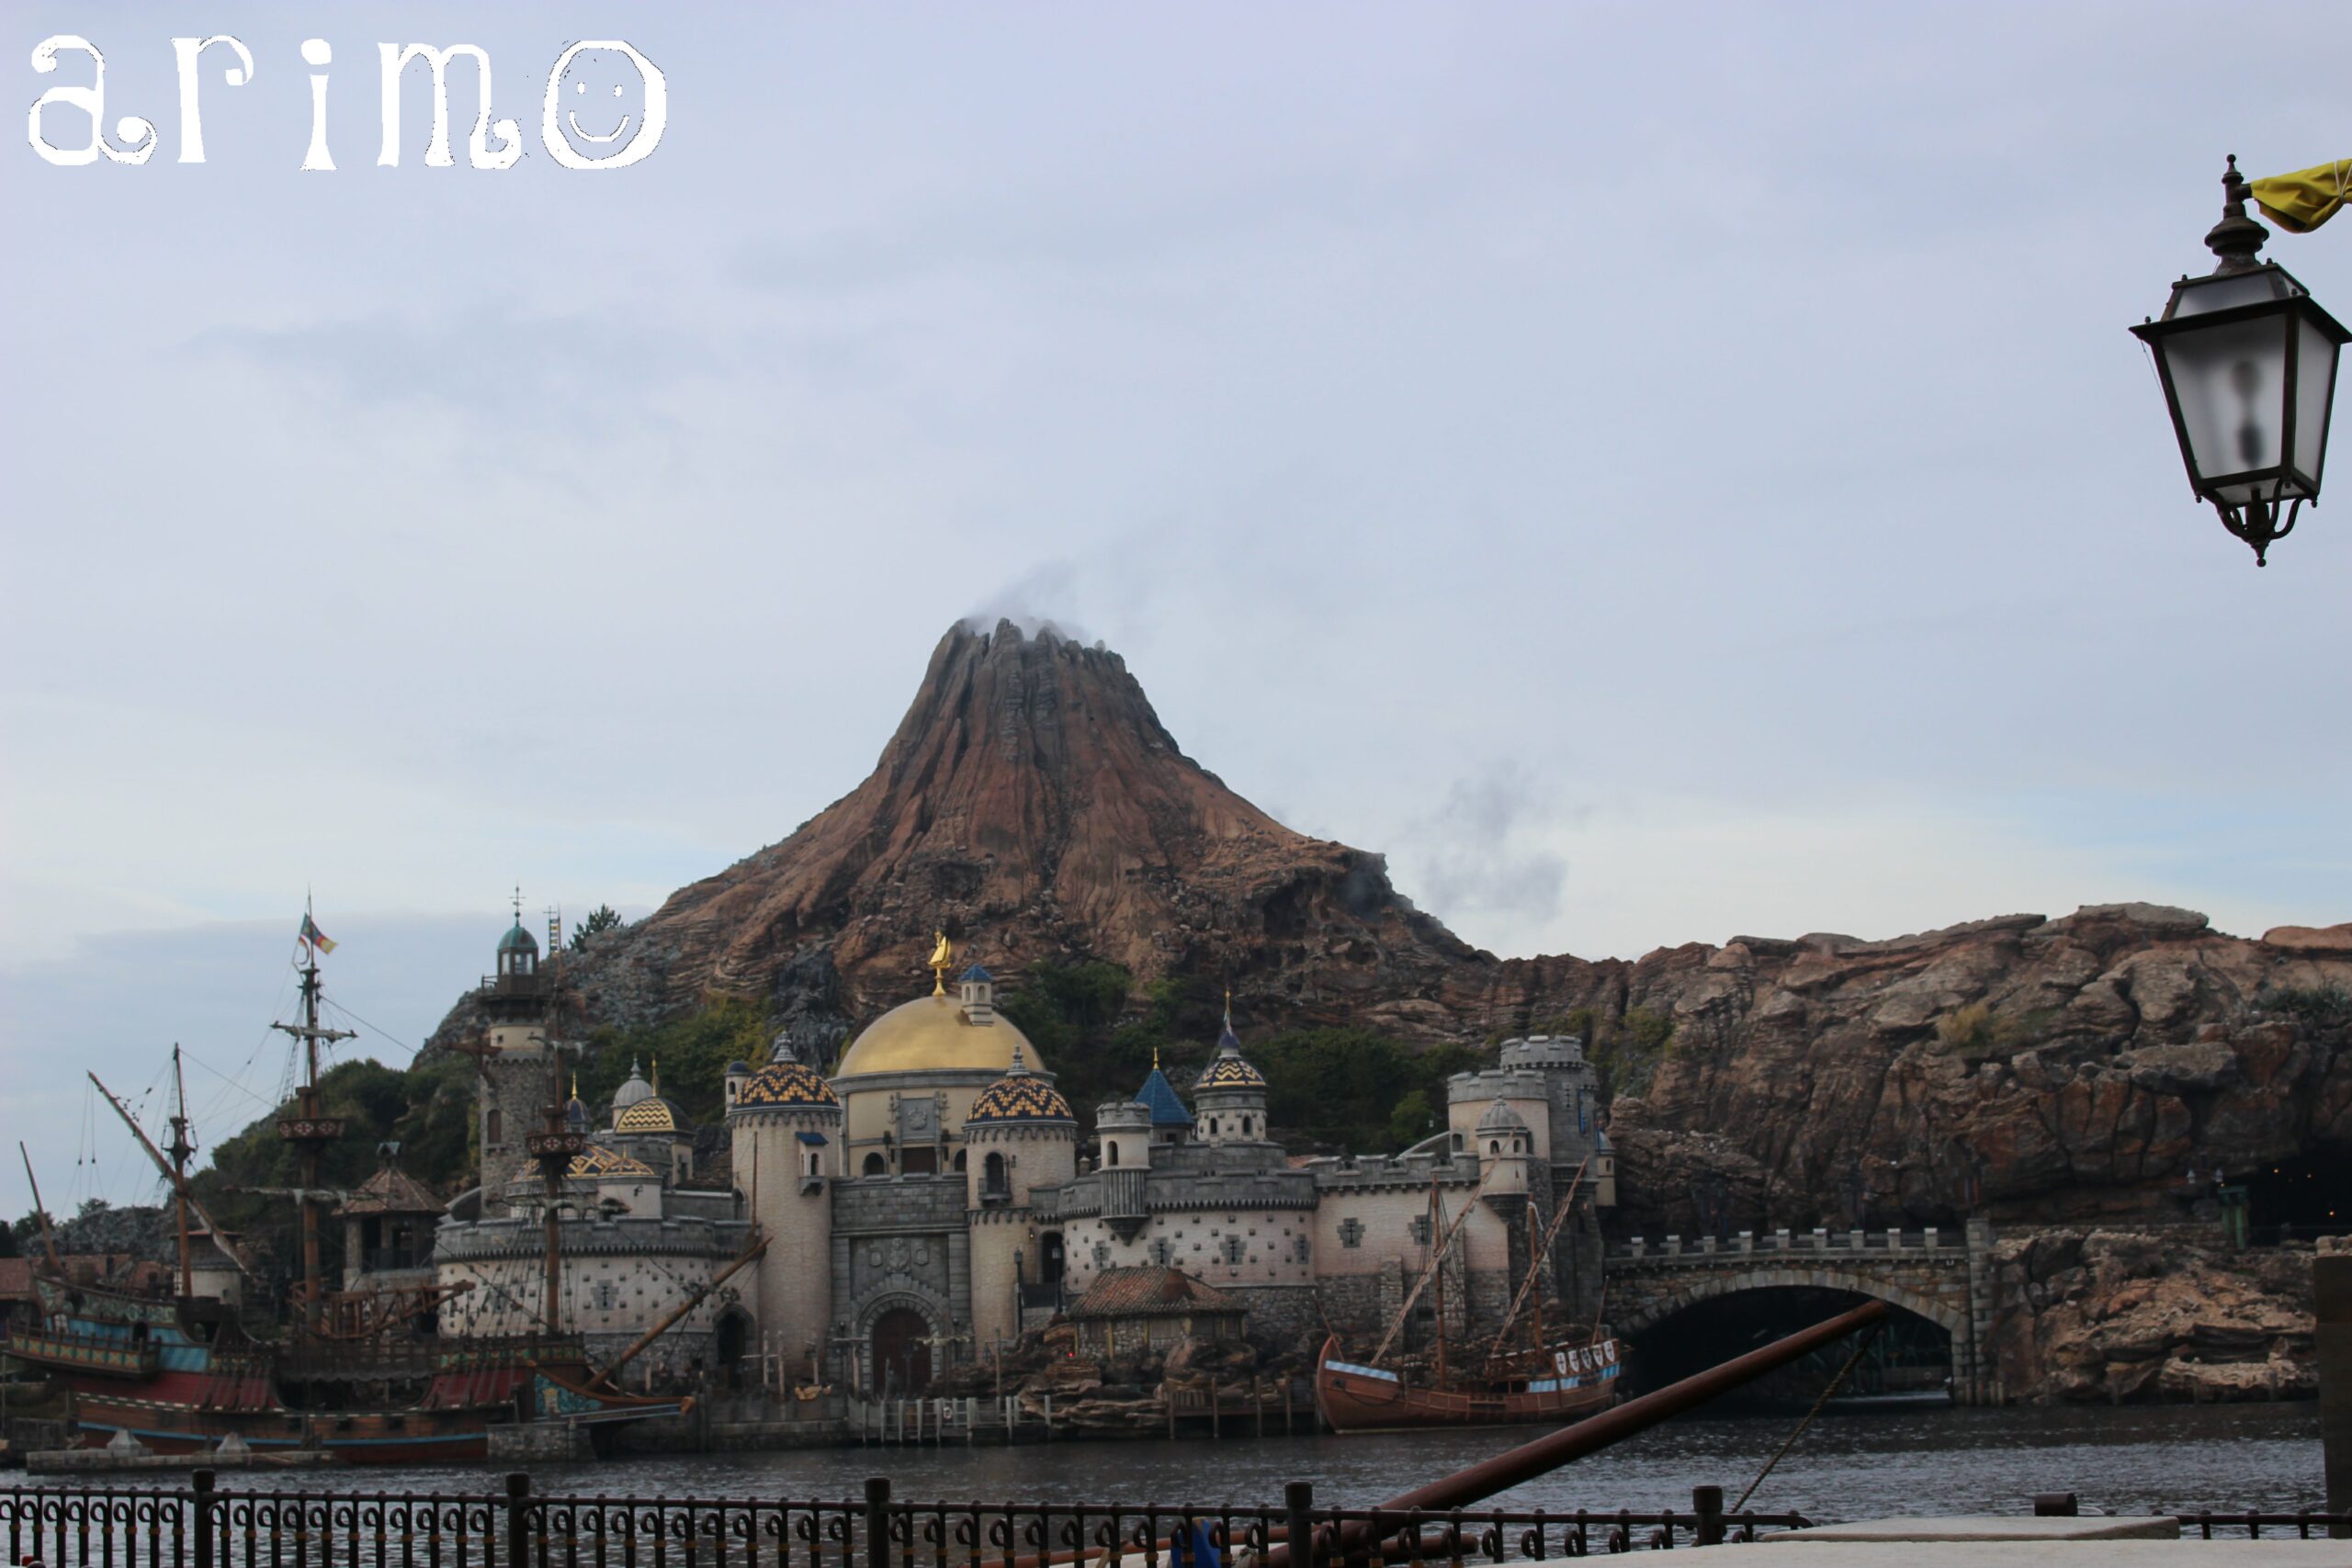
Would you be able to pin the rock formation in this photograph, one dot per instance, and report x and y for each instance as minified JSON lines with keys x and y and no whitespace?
{"x":2127,"y":1316}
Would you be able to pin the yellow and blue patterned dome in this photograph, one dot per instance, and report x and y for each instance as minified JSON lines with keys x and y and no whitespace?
{"x":1226,"y":1069}
{"x":651,"y":1114}
{"x":788,"y":1083}
{"x":1020,"y":1096}
{"x":597,"y":1160}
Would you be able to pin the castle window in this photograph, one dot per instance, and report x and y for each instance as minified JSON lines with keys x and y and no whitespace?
{"x":1109,"y":1154}
{"x":1298,"y":1250}
{"x":1494,"y":1146}
{"x":1102,"y":1255}
{"x":1245,"y":1126}
{"x":1212,"y":1126}
{"x":812,"y":1162}
{"x":994,"y":1179}
{"x":494,"y":1127}
{"x":959,"y":1159}
{"x":876,"y":1166}
{"x":1420,"y":1228}
{"x":1351,"y":1232}
{"x":1233,"y":1248}
{"x":1162,"y":1253}
{"x":604,"y":1294}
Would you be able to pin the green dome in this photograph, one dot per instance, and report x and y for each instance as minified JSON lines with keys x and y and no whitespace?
{"x":519,"y":941}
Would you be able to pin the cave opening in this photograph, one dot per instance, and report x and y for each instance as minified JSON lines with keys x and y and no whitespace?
{"x":1910,"y":1357}
{"x":2300,"y":1198}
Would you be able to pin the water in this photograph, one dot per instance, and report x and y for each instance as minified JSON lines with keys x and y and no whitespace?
{"x":1849,"y":1464}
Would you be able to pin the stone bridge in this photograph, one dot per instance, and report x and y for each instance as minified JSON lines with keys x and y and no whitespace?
{"x":1945,"y":1278}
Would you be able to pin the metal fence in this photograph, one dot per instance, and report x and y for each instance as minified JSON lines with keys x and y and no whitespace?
{"x":207,"y":1525}
{"x":204,"y":1526}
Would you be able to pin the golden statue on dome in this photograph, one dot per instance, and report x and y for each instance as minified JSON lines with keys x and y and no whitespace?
{"x":942,"y":958}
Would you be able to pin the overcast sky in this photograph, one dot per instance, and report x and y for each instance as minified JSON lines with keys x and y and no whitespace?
{"x":1657,"y":472}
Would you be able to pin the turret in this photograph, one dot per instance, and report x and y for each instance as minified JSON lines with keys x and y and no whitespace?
{"x":518,"y":1074}
{"x":783,"y":1125}
{"x":1229,"y":1098}
{"x":977,"y":991}
{"x":1506,"y":1150}
{"x":1122,"y":1127}
{"x":1019,"y":1136}
{"x":1164,"y":1110}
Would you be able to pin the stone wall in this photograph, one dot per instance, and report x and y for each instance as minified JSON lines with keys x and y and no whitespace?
{"x":2116,"y":1316}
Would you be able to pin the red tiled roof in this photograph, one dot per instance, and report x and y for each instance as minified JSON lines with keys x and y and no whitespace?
{"x":1150,"y":1291}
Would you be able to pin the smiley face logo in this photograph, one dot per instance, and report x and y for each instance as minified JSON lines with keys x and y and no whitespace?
{"x":602,"y":71}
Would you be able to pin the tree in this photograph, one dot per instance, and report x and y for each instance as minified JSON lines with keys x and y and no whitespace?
{"x":604,"y":918}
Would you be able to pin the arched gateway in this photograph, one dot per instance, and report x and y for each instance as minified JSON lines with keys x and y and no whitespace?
{"x":901,"y":1348}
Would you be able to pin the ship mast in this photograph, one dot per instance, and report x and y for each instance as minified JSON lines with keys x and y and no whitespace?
{"x":1437,"y":1269}
{"x":178,"y":1179}
{"x":179,"y":1150}
{"x":47,"y":1236}
{"x":308,"y":1129}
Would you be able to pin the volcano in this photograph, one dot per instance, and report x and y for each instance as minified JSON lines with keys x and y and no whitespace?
{"x":1032,"y":804}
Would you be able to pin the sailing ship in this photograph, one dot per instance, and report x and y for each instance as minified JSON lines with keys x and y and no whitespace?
{"x":1518,"y":1376}
{"x":359,"y":1375}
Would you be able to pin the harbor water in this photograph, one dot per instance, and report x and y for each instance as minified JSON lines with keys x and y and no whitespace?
{"x":1857,"y":1464}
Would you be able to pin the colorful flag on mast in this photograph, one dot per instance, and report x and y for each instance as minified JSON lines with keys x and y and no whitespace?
{"x":315,"y":937}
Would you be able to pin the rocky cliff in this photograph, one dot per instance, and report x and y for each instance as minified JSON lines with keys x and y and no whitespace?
{"x":2055,"y":1070}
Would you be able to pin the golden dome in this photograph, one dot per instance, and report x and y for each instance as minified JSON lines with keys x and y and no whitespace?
{"x":931,"y":1033}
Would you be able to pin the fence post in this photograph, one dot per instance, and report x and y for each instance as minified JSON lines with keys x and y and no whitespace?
{"x":200,"y":1494}
{"x":1707,"y":1502}
{"x":518,"y":1495}
{"x":877,"y":1521}
{"x":1298,"y":1500}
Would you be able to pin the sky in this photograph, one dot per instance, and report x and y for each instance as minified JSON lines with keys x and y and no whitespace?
{"x":1656,"y":472}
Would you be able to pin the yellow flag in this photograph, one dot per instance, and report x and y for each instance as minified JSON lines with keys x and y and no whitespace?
{"x":2300,"y":202}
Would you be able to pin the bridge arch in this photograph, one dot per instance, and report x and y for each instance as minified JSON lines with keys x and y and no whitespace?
{"x":1650,"y":1307}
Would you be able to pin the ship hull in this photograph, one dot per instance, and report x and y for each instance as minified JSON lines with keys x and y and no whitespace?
{"x":1355,"y":1398}
{"x":131,"y":1365}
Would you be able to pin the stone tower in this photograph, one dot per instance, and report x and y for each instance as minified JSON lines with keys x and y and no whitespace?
{"x":1229,"y":1100}
{"x":1020,"y":1136}
{"x":518,"y":1082}
{"x":784,"y":1127}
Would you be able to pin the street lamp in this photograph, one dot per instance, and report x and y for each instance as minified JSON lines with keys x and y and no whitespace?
{"x":2247,"y":360}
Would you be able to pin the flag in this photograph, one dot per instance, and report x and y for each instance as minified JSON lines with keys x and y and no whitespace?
{"x":2301,"y":201}
{"x":315,"y":937}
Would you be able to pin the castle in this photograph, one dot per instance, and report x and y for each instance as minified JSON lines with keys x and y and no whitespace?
{"x":929,"y":1200}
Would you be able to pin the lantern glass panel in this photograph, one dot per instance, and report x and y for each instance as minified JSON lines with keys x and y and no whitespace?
{"x":2315,"y":382}
{"x":2201,"y":296}
{"x":2231,"y":380}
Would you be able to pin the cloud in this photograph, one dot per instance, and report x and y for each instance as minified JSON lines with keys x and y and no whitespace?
{"x":493,"y":364}
{"x":1477,"y":856}
{"x":1037,"y":601}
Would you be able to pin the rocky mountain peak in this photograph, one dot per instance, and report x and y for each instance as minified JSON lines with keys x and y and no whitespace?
{"x":1032,"y":802}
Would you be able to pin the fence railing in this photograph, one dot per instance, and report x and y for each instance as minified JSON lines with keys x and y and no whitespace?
{"x":208,"y":1526}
